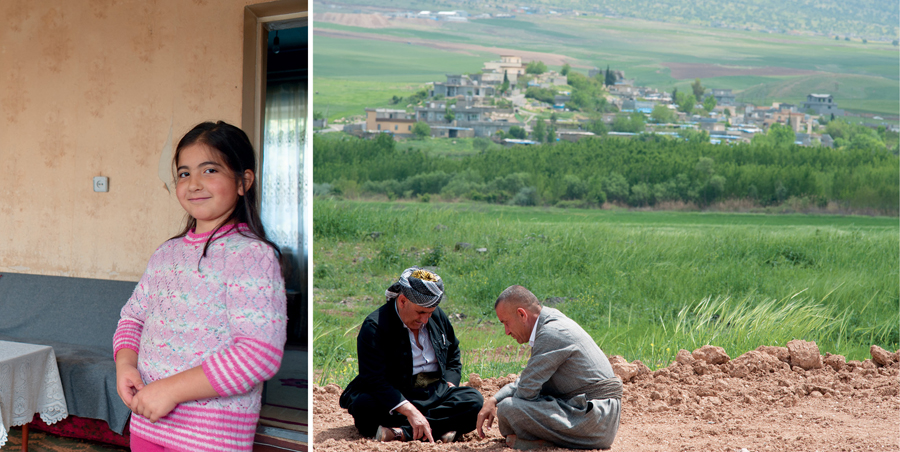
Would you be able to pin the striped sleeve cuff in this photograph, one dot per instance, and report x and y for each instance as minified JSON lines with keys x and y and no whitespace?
{"x":237,"y":369}
{"x":128,"y":335}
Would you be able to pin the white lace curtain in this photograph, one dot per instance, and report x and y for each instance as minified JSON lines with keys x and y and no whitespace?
{"x":283,"y":187}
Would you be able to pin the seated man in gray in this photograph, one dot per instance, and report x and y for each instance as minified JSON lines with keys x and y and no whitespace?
{"x":567,"y":394}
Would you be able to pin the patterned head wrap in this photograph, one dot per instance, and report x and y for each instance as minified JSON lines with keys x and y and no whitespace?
{"x":420,"y":286}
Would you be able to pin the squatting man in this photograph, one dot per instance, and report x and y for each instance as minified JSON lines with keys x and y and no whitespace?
{"x":409,"y":368}
{"x":567,"y":395}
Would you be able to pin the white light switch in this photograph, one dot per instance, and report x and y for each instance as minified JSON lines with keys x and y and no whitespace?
{"x":101,"y":183}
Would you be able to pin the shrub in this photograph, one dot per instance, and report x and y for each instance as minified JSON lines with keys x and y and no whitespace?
{"x":573,"y":204}
{"x":390,"y":187}
{"x":517,"y":132}
{"x":434,"y":257}
{"x":427,"y":183}
{"x":575,"y":188}
{"x":323,"y":189}
{"x":527,"y":196}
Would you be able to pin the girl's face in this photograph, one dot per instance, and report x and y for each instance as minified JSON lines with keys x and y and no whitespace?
{"x":205,"y":187}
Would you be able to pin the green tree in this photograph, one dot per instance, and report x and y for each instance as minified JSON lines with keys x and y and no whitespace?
{"x":662,"y":114}
{"x":709,"y":104}
{"x":598,"y":127}
{"x":781,"y":135}
{"x":504,"y":87}
{"x":535,"y":67}
{"x":727,"y":112}
{"x":694,"y":136}
{"x":540,"y":131}
{"x":541,"y":94}
{"x":575,"y":188}
{"x":317,"y":115}
{"x":686,"y":102}
{"x":633,"y":123}
{"x":698,"y":89}
{"x":610,"y":77}
{"x":517,"y":132}
{"x":616,"y":187}
{"x":449,"y":115}
{"x":565,"y":69}
{"x":421,"y":130}
{"x":551,"y":135}
{"x":761,"y":140}
{"x":481,"y":143}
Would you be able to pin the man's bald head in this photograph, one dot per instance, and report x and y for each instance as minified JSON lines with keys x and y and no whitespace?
{"x":518,"y":310}
{"x":519,"y":297}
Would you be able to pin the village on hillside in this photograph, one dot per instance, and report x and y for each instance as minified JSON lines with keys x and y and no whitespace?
{"x":513,"y":102}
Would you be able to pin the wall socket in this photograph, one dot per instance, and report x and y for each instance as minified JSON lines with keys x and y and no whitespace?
{"x":101,"y":183}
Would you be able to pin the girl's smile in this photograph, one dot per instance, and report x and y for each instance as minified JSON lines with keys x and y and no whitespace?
{"x":206,"y":188}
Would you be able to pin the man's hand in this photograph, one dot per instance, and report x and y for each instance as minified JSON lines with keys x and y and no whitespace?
{"x":486,"y":416}
{"x":154,"y":401}
{"x":421,"y":428}
{"x":128,"y":379}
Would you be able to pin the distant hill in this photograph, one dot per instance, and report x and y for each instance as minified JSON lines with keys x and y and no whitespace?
{"x":870,"y":19}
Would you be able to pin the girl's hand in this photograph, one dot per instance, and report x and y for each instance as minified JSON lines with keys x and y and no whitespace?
{"x":128,"y":379}
{"x":128,"y":383}
{"x":154,"y":401}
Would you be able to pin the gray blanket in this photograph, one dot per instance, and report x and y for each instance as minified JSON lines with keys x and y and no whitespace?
{"x":77,"y":317}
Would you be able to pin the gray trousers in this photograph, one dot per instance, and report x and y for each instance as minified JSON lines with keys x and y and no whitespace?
{"x":576,"y":423}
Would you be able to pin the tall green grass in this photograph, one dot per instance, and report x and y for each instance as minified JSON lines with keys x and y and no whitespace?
{"x":643,"y":284}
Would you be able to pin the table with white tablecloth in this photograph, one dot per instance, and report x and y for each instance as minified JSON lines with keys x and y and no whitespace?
{"x":29,"y":384}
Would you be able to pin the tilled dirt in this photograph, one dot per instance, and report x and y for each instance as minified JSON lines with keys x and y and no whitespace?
{"x":773,"y":398}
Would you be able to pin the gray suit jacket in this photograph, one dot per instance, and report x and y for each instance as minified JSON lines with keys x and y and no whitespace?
{"x":565,"y":361}
{"x":554,"y":397}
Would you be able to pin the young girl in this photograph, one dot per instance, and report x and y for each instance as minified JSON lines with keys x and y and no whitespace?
{"x":205,"y":326}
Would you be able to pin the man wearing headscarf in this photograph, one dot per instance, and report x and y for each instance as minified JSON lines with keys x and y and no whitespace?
{"x":409,"y":368}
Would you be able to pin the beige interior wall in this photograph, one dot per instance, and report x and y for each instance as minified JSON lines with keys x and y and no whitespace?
{"x":90,"y":88}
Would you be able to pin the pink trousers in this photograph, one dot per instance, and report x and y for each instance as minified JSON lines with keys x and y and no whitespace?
{"x":142,"y":445}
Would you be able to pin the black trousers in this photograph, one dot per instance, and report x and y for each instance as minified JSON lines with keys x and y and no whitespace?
{"x":446,"y":409}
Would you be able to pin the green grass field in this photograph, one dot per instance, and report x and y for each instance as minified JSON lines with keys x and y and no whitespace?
{"x":863,"y":77}
{"x":643,"y":284}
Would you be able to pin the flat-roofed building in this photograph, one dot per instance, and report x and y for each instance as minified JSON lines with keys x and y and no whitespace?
{"x":822,"y":104}
{"x":389,"y":120}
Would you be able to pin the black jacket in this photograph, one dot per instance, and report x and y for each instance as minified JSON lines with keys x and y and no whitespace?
{"x":385,"y":357}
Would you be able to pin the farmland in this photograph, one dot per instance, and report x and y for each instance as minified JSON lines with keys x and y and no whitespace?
{"x":400,"y":57}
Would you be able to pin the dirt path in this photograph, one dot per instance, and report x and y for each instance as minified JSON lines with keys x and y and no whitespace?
{"x":756,"y":402}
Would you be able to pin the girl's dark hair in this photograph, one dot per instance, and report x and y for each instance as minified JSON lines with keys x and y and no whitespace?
{"x":237,"y":154}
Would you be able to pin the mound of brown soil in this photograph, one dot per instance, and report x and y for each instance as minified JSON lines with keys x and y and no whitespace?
{"x":772,"y":398}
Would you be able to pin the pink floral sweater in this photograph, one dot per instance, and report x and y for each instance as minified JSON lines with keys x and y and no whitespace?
{"x":228,"y":316}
